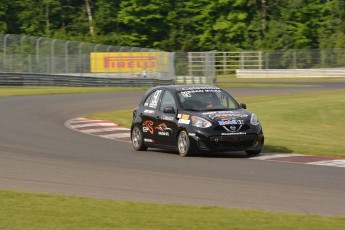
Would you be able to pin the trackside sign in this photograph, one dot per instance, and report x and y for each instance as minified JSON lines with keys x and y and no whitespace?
{"x":128,"y":61}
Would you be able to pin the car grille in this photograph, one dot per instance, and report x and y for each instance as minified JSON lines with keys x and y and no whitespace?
{"x":233,"y":141}
{"x":239,"y":128}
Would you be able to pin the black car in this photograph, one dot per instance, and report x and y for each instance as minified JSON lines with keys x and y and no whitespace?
{"x":191,"y":118}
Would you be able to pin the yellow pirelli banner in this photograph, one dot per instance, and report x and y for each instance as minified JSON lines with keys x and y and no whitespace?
{"x":115,"y":62}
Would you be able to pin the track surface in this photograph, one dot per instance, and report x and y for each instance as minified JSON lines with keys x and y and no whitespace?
{"x":38,"y":153}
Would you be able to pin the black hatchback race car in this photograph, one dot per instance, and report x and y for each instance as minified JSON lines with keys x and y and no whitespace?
{"x":191,"y":118}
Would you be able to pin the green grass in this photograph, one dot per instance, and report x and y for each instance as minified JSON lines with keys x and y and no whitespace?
{"x":6,"y":91}
{"x":304,"y":123}
{"x":28,"y":211}
{"x":310,"y":123}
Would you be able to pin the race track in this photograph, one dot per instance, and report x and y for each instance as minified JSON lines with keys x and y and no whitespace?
{"x":39,"y":154}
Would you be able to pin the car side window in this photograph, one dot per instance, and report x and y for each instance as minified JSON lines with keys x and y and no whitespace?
{"x":153,"y":99}
{"x":226,"y":102}
{"x":167,"y":101}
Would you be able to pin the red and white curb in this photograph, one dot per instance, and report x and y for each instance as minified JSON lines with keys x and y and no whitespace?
{"x":302,"y":159}
{"x":101,"y":128}
{"x":107,"y":129}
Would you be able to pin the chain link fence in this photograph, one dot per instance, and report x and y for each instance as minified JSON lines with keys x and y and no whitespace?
{"x":304,"y":59}
{"x":29,"y":54}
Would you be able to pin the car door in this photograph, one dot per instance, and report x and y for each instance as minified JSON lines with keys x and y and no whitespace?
{"x":166,"y":126}
{"x":148,"y":116}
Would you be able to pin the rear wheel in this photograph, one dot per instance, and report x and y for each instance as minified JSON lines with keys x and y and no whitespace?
{"x":183,"y":144}
{"x":137,"y":139}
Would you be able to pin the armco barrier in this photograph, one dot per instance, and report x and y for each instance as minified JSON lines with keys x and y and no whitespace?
{"x":190,"y":80}
{"x":22,"y":79}
{"x":290,"y":73}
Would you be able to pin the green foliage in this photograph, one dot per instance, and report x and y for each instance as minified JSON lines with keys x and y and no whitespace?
{"x":179,"y":25}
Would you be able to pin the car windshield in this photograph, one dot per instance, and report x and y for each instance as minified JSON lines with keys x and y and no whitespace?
{"x":206,"y":99}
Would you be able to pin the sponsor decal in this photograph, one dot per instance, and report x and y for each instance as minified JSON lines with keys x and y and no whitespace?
{"x":147,"y":126}
{"x":167,"y":118}
{"x":192,"y":90}
{"x":225,"y":114}
{"x":163,"y":127}
{"x":155,"y":99}
{"x":192,"y":134}
{"x":197,"y":88}
{"x":149,"y":140}
{"x":163,"y":133}
{"x":179,"y":115}
{"x":163,"y":130}
{"x":149,"y":111}
{"x":231,"y":122}
{"x":185,"y":116}
{"x":233,"y":134}
{"x":183,"y":121}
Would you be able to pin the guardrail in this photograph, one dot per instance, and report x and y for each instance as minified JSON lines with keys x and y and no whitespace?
{"x":24,"y":79}
{"x":290,"y":73}
{"x":191,"y":80}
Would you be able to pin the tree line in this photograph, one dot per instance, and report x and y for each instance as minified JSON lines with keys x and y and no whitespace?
{"x":182,"y":25}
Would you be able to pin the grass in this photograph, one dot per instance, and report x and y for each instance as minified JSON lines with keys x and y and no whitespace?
{"x":304,"y":123}
{"x":6,"y":91}
{"x":28,"y":211}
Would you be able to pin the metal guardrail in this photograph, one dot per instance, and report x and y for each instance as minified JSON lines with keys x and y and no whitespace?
{"x":290,"y":73}
{"x":24,"y":79}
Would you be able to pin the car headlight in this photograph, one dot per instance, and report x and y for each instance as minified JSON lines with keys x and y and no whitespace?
{"x":200,"y":122}
{"x":254,"y":120}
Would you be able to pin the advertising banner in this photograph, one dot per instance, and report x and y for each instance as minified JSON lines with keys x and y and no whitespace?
{"x":119,"y":62}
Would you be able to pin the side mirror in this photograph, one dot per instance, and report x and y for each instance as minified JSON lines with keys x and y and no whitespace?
{"x":169,"y":110}
{"x":244,"y":106}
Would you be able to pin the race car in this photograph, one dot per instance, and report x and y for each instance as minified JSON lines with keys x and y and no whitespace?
{"x":195,"y":118}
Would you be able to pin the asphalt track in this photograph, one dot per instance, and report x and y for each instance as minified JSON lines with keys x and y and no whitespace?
{"x":39,"y":154}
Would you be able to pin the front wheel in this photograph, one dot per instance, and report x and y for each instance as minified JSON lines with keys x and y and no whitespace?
{"x":137,"y":139}
{"x":183,"y":144}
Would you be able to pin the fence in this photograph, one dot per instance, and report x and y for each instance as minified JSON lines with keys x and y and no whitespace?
{"x":29,"y":54}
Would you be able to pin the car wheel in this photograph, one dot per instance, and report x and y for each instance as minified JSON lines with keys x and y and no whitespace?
{"x":137,"y":139}
{"x":183,"y":144}
{"x":253,"y":152}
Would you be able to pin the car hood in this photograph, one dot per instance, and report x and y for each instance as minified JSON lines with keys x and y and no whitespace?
{"x":239,"y":114}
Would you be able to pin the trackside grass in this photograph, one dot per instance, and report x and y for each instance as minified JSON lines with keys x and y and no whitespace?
{"x":45,"y":90}
{"x":28,"y":211}
{"x":304,"y":123}
{"x":310,"y":123}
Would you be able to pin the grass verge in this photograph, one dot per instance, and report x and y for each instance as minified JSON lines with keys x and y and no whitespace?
{"x":28,"y":211}
{"x":304,"y":123}
{"x":6,"y":91}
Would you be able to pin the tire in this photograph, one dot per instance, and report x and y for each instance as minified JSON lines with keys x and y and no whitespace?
{"x":183,"y":144}
{"x":253,"y":153}
{"x":137,"y":139}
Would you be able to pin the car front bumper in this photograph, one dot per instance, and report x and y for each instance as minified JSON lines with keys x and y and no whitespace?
{"x":221,"y":142}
